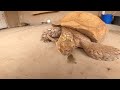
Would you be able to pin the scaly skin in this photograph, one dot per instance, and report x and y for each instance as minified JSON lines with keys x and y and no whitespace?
{"x":70,"y":39}
{"x":100,"y":52}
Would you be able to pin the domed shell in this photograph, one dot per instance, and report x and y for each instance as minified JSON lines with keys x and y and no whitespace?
{"x":86,"y":23}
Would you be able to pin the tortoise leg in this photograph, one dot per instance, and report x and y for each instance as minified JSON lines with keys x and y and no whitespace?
{"x":100,"y":52}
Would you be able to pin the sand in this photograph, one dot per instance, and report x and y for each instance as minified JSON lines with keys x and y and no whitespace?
{"x":24,"y":56}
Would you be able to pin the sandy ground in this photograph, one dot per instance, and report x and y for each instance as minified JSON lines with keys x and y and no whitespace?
{"x":24,"y":56}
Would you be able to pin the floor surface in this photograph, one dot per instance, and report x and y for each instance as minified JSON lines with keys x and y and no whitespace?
{"x":24,"y":56}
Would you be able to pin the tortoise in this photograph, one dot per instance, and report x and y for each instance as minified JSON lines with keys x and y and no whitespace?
{"x":81,"y":30}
